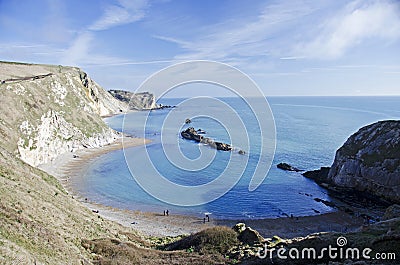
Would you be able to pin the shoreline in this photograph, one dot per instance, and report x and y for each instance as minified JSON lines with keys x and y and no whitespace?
{"x":67,"y":163}
{"x":71,"y":165}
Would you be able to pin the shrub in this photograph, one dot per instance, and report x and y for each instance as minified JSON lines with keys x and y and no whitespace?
{"x":213,"y":240}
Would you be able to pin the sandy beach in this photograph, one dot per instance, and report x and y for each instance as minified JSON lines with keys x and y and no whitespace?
{"x":70,"y":165}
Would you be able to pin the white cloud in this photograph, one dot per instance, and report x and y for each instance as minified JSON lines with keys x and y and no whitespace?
{"x":292,"y":58}
{"x":124,"y":13}
{"x":294,"y":31}
{"x":173,"y":40}
{"x":356,"y":23}
{"x":104,"y":61}
{"x":78,"y":50}
{"x":251,"y":36}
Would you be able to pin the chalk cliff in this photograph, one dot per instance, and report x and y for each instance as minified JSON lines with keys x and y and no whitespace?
{"x":48,"y":110}
{"x":136,"y":101}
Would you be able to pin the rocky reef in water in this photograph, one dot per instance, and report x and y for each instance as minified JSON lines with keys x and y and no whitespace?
{"x":191,"y":134}
{"x":287,"y":167}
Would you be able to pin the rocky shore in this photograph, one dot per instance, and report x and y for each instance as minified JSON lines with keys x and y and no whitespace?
{"x":364,"y":178}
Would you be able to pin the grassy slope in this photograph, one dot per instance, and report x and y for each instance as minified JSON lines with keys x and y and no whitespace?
{"x":39,"y":220}
{"x":41,"y":224}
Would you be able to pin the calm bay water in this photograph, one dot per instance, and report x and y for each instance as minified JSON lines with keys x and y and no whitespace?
{"x":309,"y":131}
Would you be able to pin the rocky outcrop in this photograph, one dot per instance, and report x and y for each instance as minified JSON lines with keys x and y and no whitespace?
{"x":391,"y":212}
{"x":369,"y":161}
{"x":49,"y":110}
{"x":136,"y":101}
{"x":287,"y":167}
{"x":320,"y":176}
{"x":191,"y":134}
{"x":247,"y":235}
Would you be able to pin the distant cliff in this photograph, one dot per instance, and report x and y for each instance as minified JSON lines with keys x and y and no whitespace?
{"x":136,"y":101}
{"x":48,"y":110}
{"x":369,"y":161}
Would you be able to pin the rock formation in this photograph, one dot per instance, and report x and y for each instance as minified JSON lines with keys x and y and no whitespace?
{"x":138,"y":101}
{"x":48,"y":110}
{"x":191,"y":134}
{"x":391,"y":212}
{"x":368,"y":162}
{"x":287,"y":167}
{"x":320,"y":176}
{"x":247,"y":235}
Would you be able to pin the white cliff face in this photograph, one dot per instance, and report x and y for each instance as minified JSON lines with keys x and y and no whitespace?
{"x":54,"y":136}
{"x":370,"y":161}
{"x":138,"y":101}
{"x":100,"y":100}
{"x":50,"y":110}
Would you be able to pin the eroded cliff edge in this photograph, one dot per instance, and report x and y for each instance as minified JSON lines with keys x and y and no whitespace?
{"x":49,"y":110}
{"x":369,"y":162}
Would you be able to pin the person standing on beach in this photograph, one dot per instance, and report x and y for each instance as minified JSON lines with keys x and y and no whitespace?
{"x":167,"y":212}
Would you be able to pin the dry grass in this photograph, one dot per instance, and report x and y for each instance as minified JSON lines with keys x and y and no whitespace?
{"x":38,"y":219}
{"x":111,"y":251}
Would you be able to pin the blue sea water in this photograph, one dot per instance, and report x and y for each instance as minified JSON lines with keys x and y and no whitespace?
{"x":309,"y":131}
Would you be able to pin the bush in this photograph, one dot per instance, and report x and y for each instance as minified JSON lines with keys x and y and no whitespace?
{"x":213,"y":240}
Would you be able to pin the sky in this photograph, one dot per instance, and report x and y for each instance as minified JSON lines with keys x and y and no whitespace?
{"x":290,"y":48}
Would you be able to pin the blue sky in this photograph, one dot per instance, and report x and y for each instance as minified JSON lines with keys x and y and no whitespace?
{"x":307,"y":47}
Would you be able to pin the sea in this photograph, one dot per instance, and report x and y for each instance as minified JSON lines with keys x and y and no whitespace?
{"x":309,"y":130}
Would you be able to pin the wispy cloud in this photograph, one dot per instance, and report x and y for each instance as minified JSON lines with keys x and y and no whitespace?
{"x":20,"y":46}
{"x":28,"y":52}
{"x":120,"y":63}
{"x":78,"y":50}
{"x":292,"y":58}
{"x":356,"y":23}
{"x":290,"y":31}
{"x":124,"y":12}
{"x":251,"y":36}
{"x":173,"y":40}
